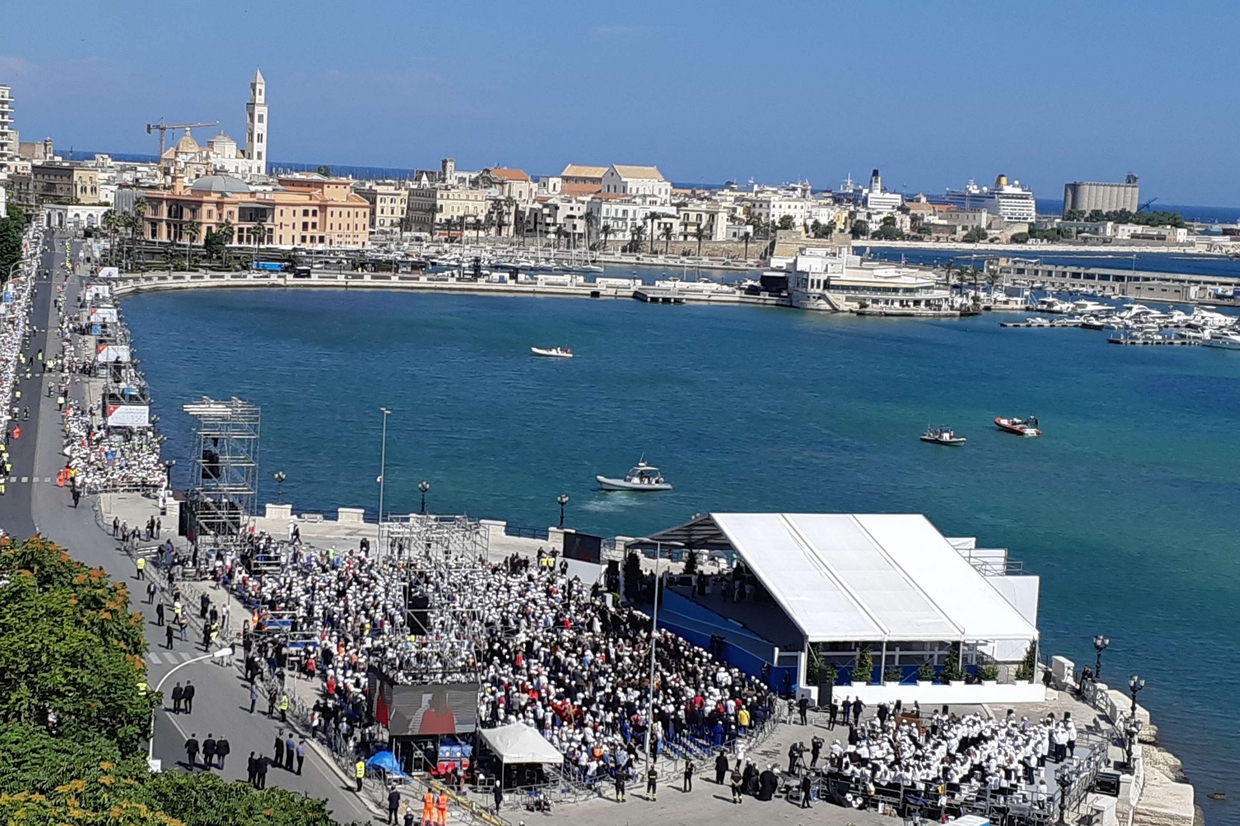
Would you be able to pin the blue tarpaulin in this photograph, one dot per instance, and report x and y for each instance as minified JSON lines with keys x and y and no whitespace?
{"x":387,"y":761}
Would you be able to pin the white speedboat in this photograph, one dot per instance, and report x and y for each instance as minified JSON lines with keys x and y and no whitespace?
{"x":642,"y":477}
{"x":942,"y":436}
{"x":552,"y":352}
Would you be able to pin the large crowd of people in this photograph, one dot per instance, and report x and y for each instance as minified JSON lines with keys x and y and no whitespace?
{"x":545,"y":649}
{"x":110,"y":459}
{"x":14,"y":331}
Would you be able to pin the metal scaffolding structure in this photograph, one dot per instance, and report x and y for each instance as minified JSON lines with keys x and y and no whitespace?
{"x":424,"y":538}
{"x":224,"y":486}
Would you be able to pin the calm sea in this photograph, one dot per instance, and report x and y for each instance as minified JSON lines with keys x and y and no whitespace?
{"x":1127,"y":507}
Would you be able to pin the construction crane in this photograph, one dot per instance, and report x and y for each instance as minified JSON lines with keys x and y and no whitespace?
{"x":1146,"y":206}
{"x":164,"y":127}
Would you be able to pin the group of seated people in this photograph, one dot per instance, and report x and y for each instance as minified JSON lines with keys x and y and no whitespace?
{"x":951,"y":762}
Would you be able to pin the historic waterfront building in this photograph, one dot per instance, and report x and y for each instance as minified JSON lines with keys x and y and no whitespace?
{"x":303,"y":211}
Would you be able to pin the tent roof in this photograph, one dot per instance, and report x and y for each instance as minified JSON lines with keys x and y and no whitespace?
{"x":862,"y":577}
{"x":519,"y":743}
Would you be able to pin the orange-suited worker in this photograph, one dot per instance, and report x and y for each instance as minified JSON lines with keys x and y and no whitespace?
{"x":17,"y":432}
{"x":428,"y":808}
{"x":443,"y":809}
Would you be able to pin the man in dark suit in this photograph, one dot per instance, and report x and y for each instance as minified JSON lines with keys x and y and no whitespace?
{"x":222,"y":748}
{"x":251,"y":771}
{"x":178,"y":696}
{"x":208,"y":751}
{"x":191,"y":751}
{"x":188,"y":697}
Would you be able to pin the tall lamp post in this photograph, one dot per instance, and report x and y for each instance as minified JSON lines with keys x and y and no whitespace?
{"x":562,"y":499}
{"x":1135,"y":684}
{"x":423,"y":487}
{"x":280,"y":477}
{"x":1100,"y":645}
{"x":654,"y":638}
{"x":382,"y":473}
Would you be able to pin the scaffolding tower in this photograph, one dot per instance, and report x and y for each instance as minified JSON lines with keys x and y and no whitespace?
{"x":423,"y":538}
{"x":224,"y":487}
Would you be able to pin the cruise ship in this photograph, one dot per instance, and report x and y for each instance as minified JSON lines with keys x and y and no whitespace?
{"x":830,"y":279}
{"x":1009,"y":200}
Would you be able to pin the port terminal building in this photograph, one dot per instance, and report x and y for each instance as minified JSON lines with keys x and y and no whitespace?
{"x":804,"y":594}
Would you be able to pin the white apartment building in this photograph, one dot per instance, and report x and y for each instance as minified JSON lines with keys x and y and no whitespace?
{"x":771,"y":208}
{"x":388,"y":206}
{"x":709,"y":217}
{"x":8,"y":136}
{"x":621,"y":214}
{"x":637,"y":180}
{"x":431,"y":209}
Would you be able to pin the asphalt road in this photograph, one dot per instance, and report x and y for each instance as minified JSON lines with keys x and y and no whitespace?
{"x":221,"y":704}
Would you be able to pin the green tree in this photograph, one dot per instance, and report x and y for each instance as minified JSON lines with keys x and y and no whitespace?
{"x":975,"y":235}
{"x":190,"y":232}
{"x":1020,"y":237}
{"x":667,"y":234}
{"x":324,"y":170}
{"x":863,"y":668}
{"x":925,"y":673}
{"x":953,"y":669}
{"x":700,"y":235}
{"x":691,"y":562}
{"x":606,"y":232}
{"x":860,"y":229}
{"x":787,"y":222}
{"x":1028,"y":664}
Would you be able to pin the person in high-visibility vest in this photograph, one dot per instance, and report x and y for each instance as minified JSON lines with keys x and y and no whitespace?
{"x":361,"y":773}
{"x":442,"y":806}
{"x":284,"y":715}
{"x":142,"y":567}
{"x":428,"y":808}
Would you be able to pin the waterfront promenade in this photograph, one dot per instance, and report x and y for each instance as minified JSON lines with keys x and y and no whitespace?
{"x":222,"y":706}
{"x":222,"y":698}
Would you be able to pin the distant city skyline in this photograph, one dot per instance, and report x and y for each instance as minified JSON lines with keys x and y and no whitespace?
{"x":933,"y":95}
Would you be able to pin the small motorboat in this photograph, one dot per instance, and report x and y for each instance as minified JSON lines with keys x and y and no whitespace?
{"x":942,"y":436}
{"x":642,"y":477}
{"x":1021,"y":427}
{"x":552,"y":352}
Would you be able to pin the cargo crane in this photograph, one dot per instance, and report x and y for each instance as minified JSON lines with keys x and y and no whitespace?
{"x":164,"y":127}
{"x":1146,"y":206}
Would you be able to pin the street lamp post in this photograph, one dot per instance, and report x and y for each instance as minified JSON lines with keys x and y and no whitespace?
{"x":1100,"y":645}
{"x":423,"y":487}
{"x":280,"y":477}
{"x":654,"y":638}
{"x":562,"y":499}
{"x":1135,"y":684}
{"x":382,"y":473}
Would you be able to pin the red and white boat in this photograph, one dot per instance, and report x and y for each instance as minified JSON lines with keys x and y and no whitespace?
{"x":1021,"y":427}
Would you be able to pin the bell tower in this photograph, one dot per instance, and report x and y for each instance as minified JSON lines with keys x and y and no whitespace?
{"x":256,"y":123}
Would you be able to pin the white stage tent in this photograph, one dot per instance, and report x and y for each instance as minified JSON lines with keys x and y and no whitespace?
{"x":519,"y":743}
{"x":863,"y":577}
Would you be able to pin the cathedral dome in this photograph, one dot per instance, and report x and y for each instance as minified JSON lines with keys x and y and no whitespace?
{"x":221,"y":183}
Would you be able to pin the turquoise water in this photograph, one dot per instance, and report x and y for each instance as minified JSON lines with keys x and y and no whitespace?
{"x":1126,"y":507}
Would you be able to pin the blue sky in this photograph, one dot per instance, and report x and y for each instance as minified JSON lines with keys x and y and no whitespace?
{"x":933,"y":93}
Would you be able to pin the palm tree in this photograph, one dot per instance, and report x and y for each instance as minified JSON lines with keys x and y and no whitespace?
{"x":112,"y":223}
{"x":226,"y":233}
{"x":666,"y":235}
{"x":590,"y":220}
{"x":637,"y":232}
{"x":190,"y":232}
{"x":700,"y":235}
{"x":747,"y":236}
{"x":652,"y":218}
{"x":606,"y":232}
{"x":560,"y":233}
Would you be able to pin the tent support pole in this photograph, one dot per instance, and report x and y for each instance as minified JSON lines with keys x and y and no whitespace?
{"x":882,"y":665}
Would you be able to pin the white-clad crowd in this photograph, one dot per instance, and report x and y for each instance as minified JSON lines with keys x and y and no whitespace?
{"x":110,"y":461}
{"x":970,"y":757}
{"x":14,"y":327}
